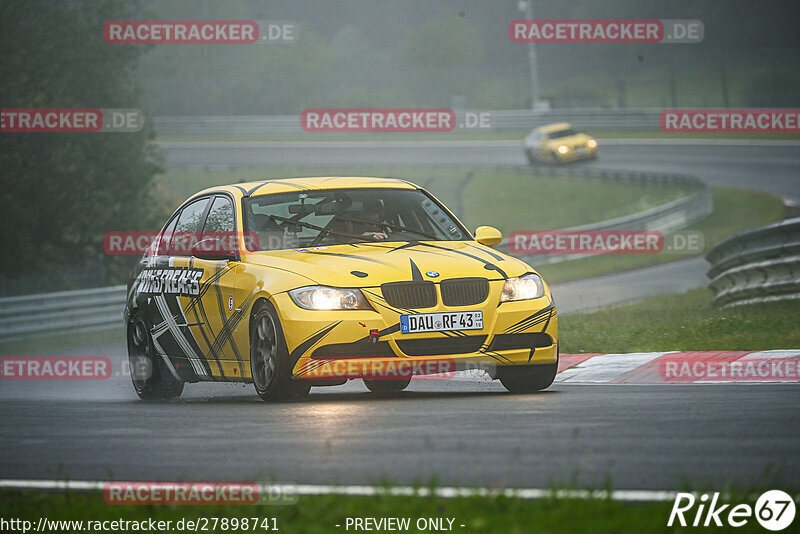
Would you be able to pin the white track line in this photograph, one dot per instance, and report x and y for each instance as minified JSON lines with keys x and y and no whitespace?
{"x":368,"y":491}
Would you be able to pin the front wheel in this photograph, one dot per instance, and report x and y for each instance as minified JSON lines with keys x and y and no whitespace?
{"x":269,"y":357}
{"x":386,"y":386}
{"x":528,"y":378}
{"x":151,"y":378}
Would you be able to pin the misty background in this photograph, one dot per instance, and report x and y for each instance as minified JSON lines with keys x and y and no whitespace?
{"x":62,"y":191}
{"x":362,"y":53}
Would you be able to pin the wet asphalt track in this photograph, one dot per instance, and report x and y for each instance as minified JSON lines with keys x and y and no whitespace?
{"x":471,"y":433}
{"x":456,"y":433}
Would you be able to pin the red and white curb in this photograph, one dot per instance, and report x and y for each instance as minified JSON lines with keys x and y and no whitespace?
{"x":695,"y":367}
{"x":691,"y":367}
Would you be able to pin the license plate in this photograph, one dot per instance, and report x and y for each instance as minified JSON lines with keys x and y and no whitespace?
{"x":441,"y":322}
{"x":581,"y":150}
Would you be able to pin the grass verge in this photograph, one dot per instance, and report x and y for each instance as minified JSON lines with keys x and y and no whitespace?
{"x":36,"y":346}
{"x":734,"y":210}
{"x":512,"y":201}
{"x":322,"y":514}
{"x":686,"y":321}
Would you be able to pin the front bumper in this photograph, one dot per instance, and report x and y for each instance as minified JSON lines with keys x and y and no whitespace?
{"x":576,"y":153}
{"x":338,"y":344}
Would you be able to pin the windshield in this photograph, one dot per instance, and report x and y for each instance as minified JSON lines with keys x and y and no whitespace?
{"x":301,"y":219}
{"x":561,"y":133}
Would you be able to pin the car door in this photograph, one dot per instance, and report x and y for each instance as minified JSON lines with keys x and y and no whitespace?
{"x":219,"y":308}
{"x":168,"y":285}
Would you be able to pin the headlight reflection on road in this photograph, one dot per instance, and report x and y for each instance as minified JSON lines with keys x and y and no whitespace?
{"x":329,"y":419}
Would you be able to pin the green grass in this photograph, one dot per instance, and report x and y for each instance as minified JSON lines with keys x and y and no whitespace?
{"x":686,"y":321}
{"x":321,"y":514}
{"x":512,"y":201}
{"x":734,"y":210}
{"x":48,"y":344}
{"x":501,"y":198}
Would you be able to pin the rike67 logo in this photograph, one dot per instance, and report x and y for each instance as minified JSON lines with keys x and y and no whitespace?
{"x":774,"y":510}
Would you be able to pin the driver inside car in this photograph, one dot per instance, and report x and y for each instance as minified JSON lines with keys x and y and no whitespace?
{"x":366,"y":224}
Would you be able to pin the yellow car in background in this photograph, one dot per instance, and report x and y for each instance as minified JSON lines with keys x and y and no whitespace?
{"x":331,"y":279}
{"x":558,"y":143}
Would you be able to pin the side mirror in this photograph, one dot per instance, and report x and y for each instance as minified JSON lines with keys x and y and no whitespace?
{"x":488,"y":235}
{"x":213,"y":249}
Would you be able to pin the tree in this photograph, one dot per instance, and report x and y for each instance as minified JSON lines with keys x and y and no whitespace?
{"x":62,"y":191}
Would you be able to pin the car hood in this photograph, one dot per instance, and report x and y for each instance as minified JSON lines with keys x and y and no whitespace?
{"x":372,"y":264}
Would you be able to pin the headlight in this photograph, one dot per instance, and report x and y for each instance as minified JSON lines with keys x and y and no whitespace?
{"x":329,"y":298}
{"x":525,"y":287}
{"x":563,"y":149}
{"x":591,"y":143}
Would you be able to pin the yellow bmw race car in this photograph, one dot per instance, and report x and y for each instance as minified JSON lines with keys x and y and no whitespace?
{"x":558,"y":143}
{"x":293,"y":283}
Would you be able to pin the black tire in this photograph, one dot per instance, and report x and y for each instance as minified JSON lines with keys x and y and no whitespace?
{"x":528,"y":378}
{"x":269,"y":357}
{"x":554,"y":159}
{"x":386,"y":386}
{"x":531,"y":158}
{"x":149,"y":374}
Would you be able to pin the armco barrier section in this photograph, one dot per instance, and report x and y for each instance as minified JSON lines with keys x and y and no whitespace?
{"x":667,"y":218}
{"x":61,"y":313}
{"x":519,"y":119}
{"x":758,"y":265}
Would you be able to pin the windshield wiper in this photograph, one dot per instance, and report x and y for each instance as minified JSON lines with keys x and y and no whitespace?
{"x":392,"y":226}
{"x":323,"y":231}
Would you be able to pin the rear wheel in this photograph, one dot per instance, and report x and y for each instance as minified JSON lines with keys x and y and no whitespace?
{"x":386,"y":386}
{"x":151,"y":378}
{"x":269,"y":357}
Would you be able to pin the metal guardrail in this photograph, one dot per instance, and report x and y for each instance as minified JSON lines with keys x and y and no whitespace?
{"x":666,"y":218}
{"x":519,"y":119}
{"x":758,"y":265}
{"x":61,"y":313}
{"x":100,"y":309}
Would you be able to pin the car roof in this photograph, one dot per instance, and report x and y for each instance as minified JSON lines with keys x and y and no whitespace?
{"x":554,"y":127}
{"x":284,"y":185}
